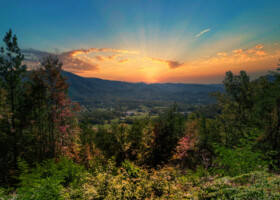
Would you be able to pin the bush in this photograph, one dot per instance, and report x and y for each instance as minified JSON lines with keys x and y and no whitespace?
{"x":255,"y":185}
{"x":233,"y":162}
{"x":50,"y":180}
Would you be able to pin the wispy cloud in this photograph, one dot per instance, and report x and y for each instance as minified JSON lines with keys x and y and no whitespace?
{"x":170,"y":63}
{"x":237,"y":51}
{"x":113,"y":57}
{"x":257,"y":50}
{"x":259,"y":46}
{"x":86,"y":51}
{"x":222,"y":54}
{"x":121,"y":65}
{"x":202,"y":32}
{"x":239,"y":56}
{"x":124,"y":60}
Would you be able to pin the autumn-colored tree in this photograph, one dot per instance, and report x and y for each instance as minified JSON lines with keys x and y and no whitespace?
{"x":187,"y":149}
{"x":58,"y":107}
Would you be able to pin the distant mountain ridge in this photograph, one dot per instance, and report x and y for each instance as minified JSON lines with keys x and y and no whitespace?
{"x":94,"y":89}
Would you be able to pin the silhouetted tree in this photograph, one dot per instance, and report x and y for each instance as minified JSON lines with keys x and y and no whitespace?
{"x":11,"y":74}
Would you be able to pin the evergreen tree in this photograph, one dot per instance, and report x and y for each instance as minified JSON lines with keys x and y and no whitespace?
{"x":11,"y":75}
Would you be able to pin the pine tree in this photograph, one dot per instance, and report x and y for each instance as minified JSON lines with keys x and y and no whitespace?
{"x":11,"y":74}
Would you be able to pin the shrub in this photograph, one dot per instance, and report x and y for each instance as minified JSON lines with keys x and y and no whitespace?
{"x":233,"y":162}
{"x":50,"y":180}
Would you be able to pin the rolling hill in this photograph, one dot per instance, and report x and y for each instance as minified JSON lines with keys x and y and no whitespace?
{"x":98,"y":90}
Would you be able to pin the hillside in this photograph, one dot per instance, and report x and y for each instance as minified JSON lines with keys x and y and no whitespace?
{"x":95,"y":89}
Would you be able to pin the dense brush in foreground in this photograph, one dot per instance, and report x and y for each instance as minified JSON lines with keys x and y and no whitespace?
{"x":67,"y":180}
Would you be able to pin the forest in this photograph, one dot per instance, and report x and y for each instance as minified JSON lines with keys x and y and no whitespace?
{"x":49,"y":150}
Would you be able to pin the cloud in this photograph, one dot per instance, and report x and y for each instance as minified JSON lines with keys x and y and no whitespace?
{"x":34,"y":55}
{"x":82,"y":51}
{"x":256,"y":50}
{"x":124,"y":60}
{"x":113,"y":57}
{"x":78,"y":67}
{"x":222,"y":54}
{"x":202,"y":32}
{"x":33,"y":59}
{"x":237,"y":51}
{"x":100,"y":58}
{"x":238,"y":56}
{"x":260,"y":53}
{"x":259,"y":46}
{"x":170,"y":63}
{"x":77,"y":61}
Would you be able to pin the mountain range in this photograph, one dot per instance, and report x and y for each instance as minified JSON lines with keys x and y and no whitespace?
{"x":83,"y":89}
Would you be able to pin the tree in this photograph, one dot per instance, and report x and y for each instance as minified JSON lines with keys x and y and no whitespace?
{"x":249,"y":108}
{"x":167,"y":131}
{"x":267,"y":115}
{"x":237,"y":103}
{"x":11,"y":74}
{"x":53,"y":98}
{"x":187,"y":150}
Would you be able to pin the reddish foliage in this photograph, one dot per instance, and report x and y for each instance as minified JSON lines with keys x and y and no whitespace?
{"x":188,"y":142}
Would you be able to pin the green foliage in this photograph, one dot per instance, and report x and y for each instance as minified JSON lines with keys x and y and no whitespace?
{"x":232,"y":162}
{"x":11,"y":89}
{"x":112,"y":142}
{"x":167,"y":131}
{"x":132,"y":171}
{"x":234,"y":139}
{"x":48,"y":180}
{"x":193,"y":178}
{"x":131,"y":182}
{"x":255,"y":185}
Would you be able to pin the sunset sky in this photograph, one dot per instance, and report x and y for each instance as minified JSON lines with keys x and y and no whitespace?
{"x":148,"y":41}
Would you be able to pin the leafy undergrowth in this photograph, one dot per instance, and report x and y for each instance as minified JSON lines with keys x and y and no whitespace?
{"x":67,"y":180}
{"x":254,"y":185}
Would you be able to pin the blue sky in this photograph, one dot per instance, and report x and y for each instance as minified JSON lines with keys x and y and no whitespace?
{"x":177,"y":31}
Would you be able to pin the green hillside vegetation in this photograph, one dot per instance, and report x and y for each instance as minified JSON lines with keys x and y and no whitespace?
{"x":98,"y":90}
{"x":50,"y":149}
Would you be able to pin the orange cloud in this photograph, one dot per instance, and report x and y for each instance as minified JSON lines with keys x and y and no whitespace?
{"x":237,"y":56}
{"x":170,"y":63}
{"x":259,"y":46}
{"x":257,"y":52}
{"x":113,"y":65}
{"x":78,"y":52}
{"x":125,"y":60}
{"x":113,"y":57}
{"x":75,"y":64}
{"x":260,"y":53}
{"x":237,"y":51}
{"x":222,"y":54}
{"x":100,"y":58}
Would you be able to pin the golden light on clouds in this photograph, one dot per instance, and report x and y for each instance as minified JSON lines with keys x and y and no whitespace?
{"x":259,"y":46}
{"x":132,"y":66}
{"x":125,"y":60}
{"x":77,"y":52}
{"x":171,"y":64}
{"x":222,"y":54}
